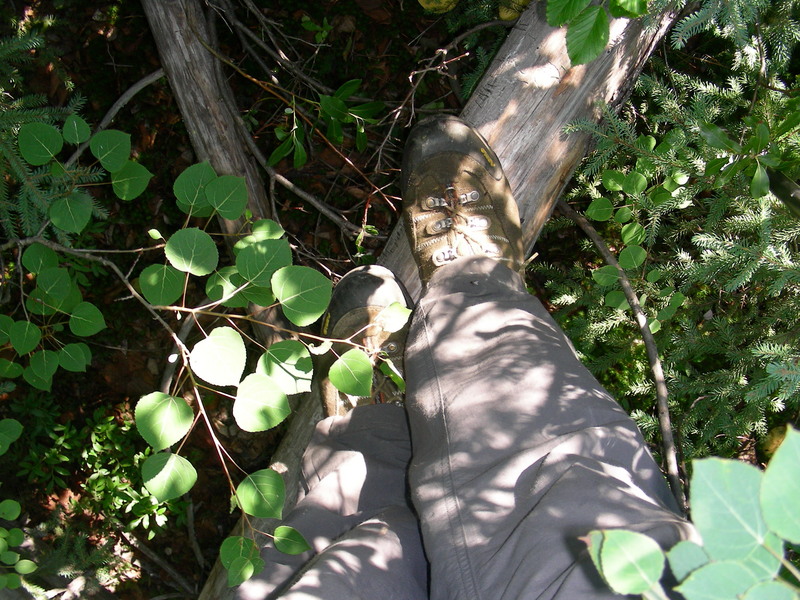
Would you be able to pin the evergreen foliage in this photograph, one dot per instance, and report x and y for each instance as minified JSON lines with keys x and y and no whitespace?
{"x":720,"y":280}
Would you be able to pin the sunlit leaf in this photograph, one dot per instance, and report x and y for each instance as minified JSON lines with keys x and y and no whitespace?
{"x":288,"y":363}
{"x":260,"y":403}
{"x":632,"y":256}
{"x":193,"y":251}
{"x":304,"y":293}
{"x":162,"y":419}
{"x":262,"y":494}
{"x":600,"y":209}
{"x":189,"y":189}
{"x":630,"y":562}
{"x":290,"y":541}
{"x":560,"y":12}
{"x":352,"y":373}
{"x":220,"y":358}
{"x":228,"y":195}
{"x":168,"y":476}
{"x":131,"y":180}
{"x":587,"y":35}
{"x":161,"y":284}
{"x":86,"y":319}
{"x":606,"y":276}
{"x":71,"y":214}
{"x":257,"y":262}
{"x":684,"y":557}
{"x":628,"y":8}
{"x":112,"y":148}
{"x":780,"y":489}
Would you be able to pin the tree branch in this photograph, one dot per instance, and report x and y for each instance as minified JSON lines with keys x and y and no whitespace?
{"x":662,"y":398}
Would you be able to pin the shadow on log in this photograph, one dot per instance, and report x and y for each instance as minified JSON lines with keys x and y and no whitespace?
{"x":528,"y":95}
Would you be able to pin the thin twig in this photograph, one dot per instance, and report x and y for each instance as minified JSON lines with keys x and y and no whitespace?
{"x":662,"y":398}
{"x":134,"y":542}
{"x":116,"y":107}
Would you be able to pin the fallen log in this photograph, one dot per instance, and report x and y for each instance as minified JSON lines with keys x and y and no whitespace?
{"x":528,"y":95}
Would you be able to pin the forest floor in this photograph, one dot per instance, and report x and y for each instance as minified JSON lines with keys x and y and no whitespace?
{"x":99,"y":49}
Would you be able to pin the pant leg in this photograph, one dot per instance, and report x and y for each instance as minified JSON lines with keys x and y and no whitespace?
{"x":517,"y":449}
{"x":355,"y":513}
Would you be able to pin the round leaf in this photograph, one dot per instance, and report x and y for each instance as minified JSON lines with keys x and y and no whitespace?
{"x":220,"y":358}
{"x":192,"y":251}
{"x":36,"y":380}
{"x":189,"y":188}
{"x":616,"y":299}
{"x":86,"y":319}
{"x":630,"y":562}
{"x":288,"y":364}
{"x":632,"y":256}
{"x":260,"y":403}
{"x":600,"y":209}
{"x":633,"y":234}
{"x":587,"y":35}
{"x":162,"y":419}
{"x":780,"y":489}
{"x":25,"y":567}
{"x":10,"y":510}
{"x":623,"y":215}
{"x":76,"y":130}
{"x":684,"y":557}
{"x":131,"y":180}
{"x":242,"y":569}
{"x":228,"y":194}
{"x":10,"y":430}
{"x":257,"y":262}
{"x":55,"y":282}
{"x":304,"y":293}
{"x":24,"y":336}
{"x":39,"y":143}
{"x":559,"y":13}
{"x":75,"y":357}
{"x":235,"y":547}
{"x":161,"y":284}
{"x":71,"y":214}
{"x":394,"y":317}
{"x":223,"y":284}
{"x":290,"y":541}
{"x":37,"y":257}
{"x":634,"y":183}
{"x":606,"y":276}
{"x":718,"y":581}
{"x":771,"y":590}
{"x":44,"y":363}
{"x":112,"y":148}
{"x":262,"y":494}
{"x":352,"y":373}
{"x":263,"y":229}
{"x":9,"y":369}
{"x":612,"y":180}
{"x":168,"y":476}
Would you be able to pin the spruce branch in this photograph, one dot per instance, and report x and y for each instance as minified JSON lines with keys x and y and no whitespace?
{"x":662,"y":398}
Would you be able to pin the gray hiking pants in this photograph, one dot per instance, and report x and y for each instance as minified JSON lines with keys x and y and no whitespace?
{"x":508,"y":451}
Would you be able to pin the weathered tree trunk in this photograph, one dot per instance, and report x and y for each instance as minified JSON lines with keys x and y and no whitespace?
{"x":527,"y":96}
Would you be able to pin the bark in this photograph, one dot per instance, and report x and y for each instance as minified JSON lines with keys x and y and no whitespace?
{"x":527,"y":96}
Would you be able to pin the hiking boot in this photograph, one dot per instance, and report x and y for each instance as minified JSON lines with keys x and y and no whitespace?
{"x":358,"y":313}
{"x":457,"y":200}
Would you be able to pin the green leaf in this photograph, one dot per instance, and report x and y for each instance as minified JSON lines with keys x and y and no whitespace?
{"x":281,"y":152}
{"x":76,"y":130}
{"x":9,"y":369}
{"x":227,"y":194}
{"x":290,"y":541}
{"x":780,"y":489}
{"x":235,"y":547}
{"x":623,"y":215}
{"x":38,"y":257}
{"x":10,"y":430}
{"x":634,"y":183}
{"x":193,"y":251}
{"x":39,"y":143}
{"x":263,"y":229}
{"x":347,"y":89}
{"x":718,"y":581}
{"x":189,"y":188}
{"x":37,"y":381}
{"x":5,"y":328}
{"x":334,"y":108}
{"x":112,"y":148}
{"x":726,"y":508}
{"x":75,"y":357}
{"x":616,"y":299}
{"x":633,"y":234}
{"x":15,"y":536}
{"x":600,"y":209}
{"x":612,"y":180}
{"x":86,"y":319}
{"x":168,"y":476}
{"x":684,"y":557}
{"x":161,"y":284}
{"x":771,"y":590}
{"x":55,"y":282}
{"x":759,"y":185}
{"x":394,"y":317}
{"x":632,"y":256}
{"x":258,"y":261}
{"x":44,"y":363}
{"x":628,"y":8}
{"x":630,"y":562}
{"x":24,"y":336}
{"x":716,"y":137}
{"x":241,"y":570}
{"x":304,"y":293}
{"x":606,"y":276}
{"x":162,"y":419}
{"x":10,"y":510}
{"x":260,"y":403}
{"x":25,"y":567}
{"x":560,"y":12}
{"x":130,"y":181}
{"x":262,"y":494}
{"x":351,"y":373}
{"x":224,"y":284}
{"x":288,"y":364}
{"x":220,"y":358}
{"x":587,"y":35}
{"x":71,"y":214}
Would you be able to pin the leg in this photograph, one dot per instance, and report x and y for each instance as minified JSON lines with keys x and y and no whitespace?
{"x":517,"y":449}
{"x":354,"y":512}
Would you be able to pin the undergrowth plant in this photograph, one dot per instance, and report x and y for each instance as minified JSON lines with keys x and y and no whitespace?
{"x":680,"y":187}
{"x":747,"y":524}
